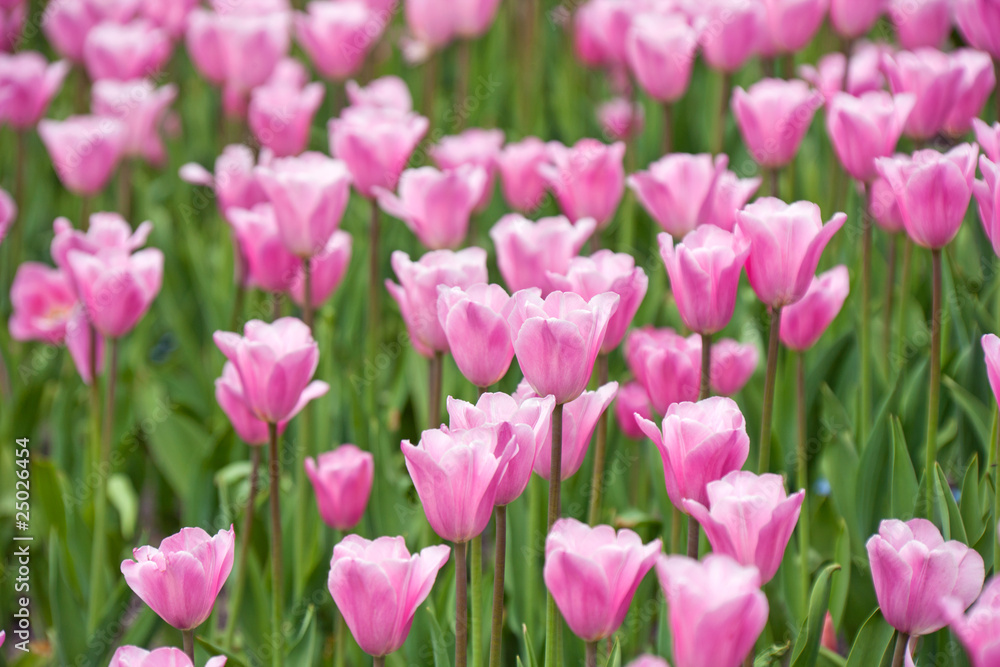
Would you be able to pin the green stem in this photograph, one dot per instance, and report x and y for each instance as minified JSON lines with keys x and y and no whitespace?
{"x":241,"y":562}
{"x":277,"y":599}
{"x":430,"y":84}
{"x":600,"y":449}
{"x":692,"y":548}
{"x":461,"y":606}
{"x":374,"y":288}
{"x":772,"y":181}
{"x":464,"y":54}
{"x":379,"y":661}
{"x":435,"y":369}
{"x":890,"y":292}
{"x":904,"y":287}
{"x":675,"y":530}
{"x":803,"y":475}
{"x":864,"y":414}
{"x":668,"y":128}
{"x":307,"y":306}
{"x":125,"y":189}
{"x":188,"y":639}
{"x":590,"y":659}
{"x":86,"y":203}
{"x":934,"y":390}
{"x":476,"y":600}
{"x":499,"y":572}
{"x":552,"y":653}
{"x":900,"y":653}
{"x":726,"y":79}
{"x":706,"y":367}
{"x":302,"y":448}
{"x":764,"y":460}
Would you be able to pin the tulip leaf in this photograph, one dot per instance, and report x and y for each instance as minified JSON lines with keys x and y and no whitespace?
{"x":947,"y":508}
{"x":842,"y":583}
{"x":828,"y":658}
{"x":905,"y":488}
{"x":303,"y":647}
{"x":615,"y":657}
{"x":532,"y":659}
{"x":438,"y":642}
{"x":974,"y":409}
{"x":806,"y":647}
{"x":772,"y":655}
{"x":873,"y":644}
{"x":125,"y":500}
{"x":213,"y":649}
{"x":970,"y":503}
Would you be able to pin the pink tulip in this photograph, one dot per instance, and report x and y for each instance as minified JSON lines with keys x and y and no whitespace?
{"x":974,"y":88}
{"x":431,"y":22}
{"x":601,"y":29}
{"x":704,"y":270}
{"x":749,"y":518}
{"x":133,"y":656}
{"x":280,"y":116}
{"x":557,"y":339}
{"x":786,"y":241}
{"x":716,"y":608}
{"x":387,"y":92}
{"x":67,"y":24}
{"x":621,"y":119}
{"x":181,"y":579}
{"x":979,"y":631}
{"x":852,"y":19}
{"x":988,"y":138}
{"x":789,"y":25}
{"x":979,"y":23}
{"x":700,"y":443}
{"x":253,"y":431}
{"x":436,"y":205}
{"x":417,"y":291}
{"x":27,"y":85}
{"x":647,"y":660}
{"x":12,"y":26}
{"x":730,"y":195}
{"x":580,"y":417}
{"x":921,"y":23}
{"x":84,"y":150}
{"x":523,"y":186}
{"x":882,"y":206}
{"x":309,"y":194}
{"x":275,"y":363}
{"x":987,"y":192}
{"x":474,"y":147}
{"x":660,"y":50}
{"x":991,"y":352}
{"x":474,"y":320}
{"x":142,"y":108}
{"x":588,"y":180}
{"x":234,"y":180}
{"x":667,"y":365}
{"x":473,"y":17}
{"x":269,"y":265}
{"x":168,"y":15}
{"x":115,"y":287}
{"x":914,"y":569}
{"x":376,"y":144}
{"x":678,"y":189}
{"x":528,"y":252}
{"x":530,"y":419}
{"x":8,"y":213}
{"x":134,"y":50}
{"x":632,"y":400}
{"x":3,"y":636}
{"x":932,"y":191}
{"x":378,"y":586}
{"x":803,"y":322}
{"x":730,"y":38}
{"x":593,"y":573}
{"x":606,"y":271}
{"x":732,"y":366}
{"x":773,"y":116}
{"x":866,"y":127}
{"x":43,"y":301}
{"x":864,"y":72}
{"x":342,"y":480}
{"x":931,"y":76}
{"x":337,"y":35}
{"x":105,"y":231}
{"x":326,"y":269}
{"x":80,"y":341}
{"x":457,"y":474}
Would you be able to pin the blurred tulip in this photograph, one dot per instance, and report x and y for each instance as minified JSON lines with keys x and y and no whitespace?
{"x":803,"y":322}
{"x":379,"y":579}
{"x":275,"y":363}
{"x":730,"y":36}
{"x":773,"y":116}
{"x":105,"y":231}
{"x":67,"y":24}
{"x":387,"y":92}
{"x":718,"y":599}
{"x":921,"y":23}
{"x":342,"y":480}
{"x":431,"y":22}
{"x":27,"y":84}
{"x":730,"y":195}
{"x":326,"y":269}
{"x":43,"y":301}
{"x":133,"y":656}
{"x":523,"y":186}
{"x":280,"y":116}
{"x":864,"y":71}
{"x":141,"y":107}
{"x":852,"y":19}
{"x":12,"y":25}
{"x":786,"y":241}
{"x":593,"y":574}
{"x":749,"y":518}
{"x":168,"y":15}
{"x":987,"y":192}
{"x":600,"y":29}
{"x":979,"y":23}
{"x":866,"y":127}
{"x":234,"y":181}
{"x":914,"y":569}
{"x":974,"y":88}
{"x":621,"y":119}
{"x":660,"y":50}
{"x":935,"y":82}
{"x":84,"y":150}
{"x":115,"y":287}
{"x":80,"y":341}
{"x":230,"y":397}
{"x":528,"y":252}
{"x":647,"y":660}
{"x":181,"y":579}
{"x":788,"y":26}
{"x":932,"y":191}
{"x":580,"y":417}
{"x":678,"y":189}
{"x":8,"y":213}
{"x":436,"y":205}
{"x":557,"y":339}
{"x":732,"y":365}
{"x":337,"y":35}
{"x":991,"y":352}
{"x":587,"y":179}
{"x":474,"y":321}
{"x":704,"y":270}
{"x":417,"y":291}
{"x":474,"y":147}
{"x":882,"y":206}
{"x":269,"y":265}
{"x":979,"y":631}
{"x":457,"y":474}
{"x":376,"y":144}
{"x":988,"y":138}
{"x":473,"y":17}
{"x":134,"y":50}
{"x":667,"y":365}
{"x":632,"y":400}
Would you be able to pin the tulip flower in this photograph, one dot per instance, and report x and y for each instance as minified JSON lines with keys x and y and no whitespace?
{"x":600,"y":30}
{"x":593,"y":574}
{"x":12,"y":25}
{"x":773,"y":116}
{"x":660,"y":51}
{"x":181,"y":578}
{"x":988,"y":138}
{"x":231,"y":398}
{"x":474,"y":321}
{"x":342,"y":480}
{"x":80,"y":340}
{"x":987,"y":192}
{"x":338,"y":35}
{"x":978,"y":22}
{"x":67,"y":24}
{"x":979,"y":631}
{"x":926,"y":23}
{"x":134,"y":50}
{"x":864,"y":128}
{"x":8,"y":213}
{"x":142,"y":108}
{"x":557,"y":339}
{"x":116,"y":288}
{"x":933,"y":79}
{"x":632,"y":400}
{"x":84,"y":150}
{"x":803,"y":322}
{"x":326,"y":270}
{"x":386,"y":92}
{"x":853,"y":19}
{"x":234,"y":181}
{"x":105,"y":231}
{"x":991,"y":351}
{"x":529,"y":252}
{"x":133,"y":656}
{"x":269,"y":265}
{"x":864,"y":71}
{"x":621,"y":119}
{"x":977,"y":82}
{"x":168,"y":15}
{"x":913,"y":569}
{"x":647,"y":660}
{"x":281,"y":114}
{"x":43,"y":301}
{"x":788,"y":26}
{"x":588,"y":180}
{"x":730,"y":195}
{"x":678,"y":190}
{"x":730,"y":38}
{"x":27,"y":85}
{"x":749,"y":518}
{"x":379,"y":579}
{"x":436,"y":205}
{"x":431,"y":22}
{"x":882,"y":206}
{"x":580,"y":417}
{"x":473,"y":17}
{"x":716,"y":598}
{"x":733,"y":364}
{"x":476,"y":148}
{"x":667,"y":365}
{"x":522,"y":184}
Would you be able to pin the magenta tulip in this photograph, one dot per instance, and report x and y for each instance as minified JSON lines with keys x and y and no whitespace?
{"x":700,"y":443}
{"x":473,"y":17}
{"x":105,"y":231}
{"x":338,"y":35}
{"x":474,"y":320}
{"x":678,"y":190}
{"x":864,"y":71}
{"x":932,"y":191}
{"x":387,"y":92}
{"x":436,"y":205}
{"x":142,"y":108}
{"x":378,"y":586}
{"x":376,"y":144}
{"x":731,"y":194}
{"x":788,"y":26}
{"x":269,"y":265}
{"x":588,"y":179}
{"x":773,"y":116}
{"x":476,"y":148}
{"x":914,"y":569}
{"x":979,"y":23}
{"x":116,"y":288}
{"x":234,"y":181}
{"x":866,"y":127}
{"x":987,"y":192}
{"x":12,"y":25}
{"x":979,"y":631}
{"x":134,"y":50}
{"x":431,"y":22}
{"x":988,"y":138}
{"x":84,"y":150}
{"x":27,"y":84}
{"x":991,"y":351}
{"x":924,"y":23}
{"x":280,"y":116}
{"x":522,"y":184}
{"x":632,"y":400}
{"x":593,"y":573}
{"x":67,"y":24}
{"x":231,"y":398}
{"x":580,"y":417}
{"x":660,"y":50}
{"x":852,"y":19}
{"x":933,"y":79}
{"x":730,"y":38}
{"x":43,"y":301}
{"x":342,"y":480}
{"x":716,"y":609}
{"x":977,"y":82}
{"x":621,"y":119}
{"x":80,"y":340}
{"x":882,"y":206}
{"x":647,"y":660}
{"x":8,"y":213}
{"x":786,"y":241}
{"x":326,"y":271}
{"x":181,"y":579}
{"x":667,"y":365}
{"x":732,"y":366}
{"x":169,"y":15}
{"x":803,"y":322}
{"x":528,"y":252}
{"x":557,"y":339}
{"x":600,"y":30}
{"x":749,"y":518}
{"x":133,"y":656}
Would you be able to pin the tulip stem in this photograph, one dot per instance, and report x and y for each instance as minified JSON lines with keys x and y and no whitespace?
{"x":890,"y":292}
{"x":803,"y":475}
{"x":591,"y":654}
{"x":241,"y":562}
{"x":476,"y":599}
{"x":499,"y":572}
{"x":934,"y":389}
{"x":772,"y":181}
{"x":188,"y":639}
{"x":464,"y":56}
{"x":724,"y":94}
{"x":430,"y":83}
{"x":435,"y":369}
{"x":864,"y":413}
{"x":764,"y":460}
{"x":374,"y":288}
{"x":379,"y":661}
{"x":302,"y":448}
{"x":692,"y":549}
{"x":900,"y":653}
{"x":668,"y":128}
{"x":307,"y":309}
{"x":706,"y":367}
{"x":675,"y":530}
{"x":552,"y":653}
{"x":600,"y":450}
{"x":85,"y":206}
{"x":125,"y":189}
{"x":274,"y":468}
{"x":904,"y":287}
{"x":461,"y":605}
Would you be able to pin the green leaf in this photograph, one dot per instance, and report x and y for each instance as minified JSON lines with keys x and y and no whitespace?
{"x":531,"y":657}
{"x":905,"y":489}
{"x":772,"y":655}
{"x":874,"y":641}
{"x":438,"y":642}
{"x":125,"y":500}
{"x":303,"y":647}
{"x":232,"y":659}
{"x":842,"y":583}
{"x":615,"y":657}
{"x":973,"y":515}
{"x":947,"y":509}
{"x":974,"y":409}
{"x":807,"y":643}
{"x":828,"y":658}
